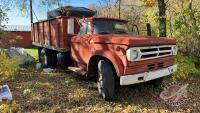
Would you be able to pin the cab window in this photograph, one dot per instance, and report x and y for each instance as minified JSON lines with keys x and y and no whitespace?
{"x":85,"y":28}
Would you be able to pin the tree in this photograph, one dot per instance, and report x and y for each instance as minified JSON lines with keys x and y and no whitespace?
{"x":149,"y":3}
{"x":3,"y":14}
{"x":24,"y":6}
{"x":92,"y":7}
{"x":187,"y":28}
{"x":106,"y":8}
{"x":162,"y":15}
{"x":3,"y":18}
{"x":162,"y":18}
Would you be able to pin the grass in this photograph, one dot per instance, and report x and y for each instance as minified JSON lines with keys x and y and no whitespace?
{"x":33,"y":52}
{"x":64,"y":91}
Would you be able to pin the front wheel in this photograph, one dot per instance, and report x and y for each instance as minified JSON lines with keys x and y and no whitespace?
{"x":106,"y":80}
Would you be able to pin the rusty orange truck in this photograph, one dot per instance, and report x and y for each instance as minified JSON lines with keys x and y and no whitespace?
{"x":103,"y":48}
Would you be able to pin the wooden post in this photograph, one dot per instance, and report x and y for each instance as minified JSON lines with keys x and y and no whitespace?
{"x":119,"y":8}
{"x":148,"y":29}
{"x":31,"y":12}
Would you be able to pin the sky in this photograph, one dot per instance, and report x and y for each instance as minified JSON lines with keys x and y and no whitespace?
{"x":15,"y":17}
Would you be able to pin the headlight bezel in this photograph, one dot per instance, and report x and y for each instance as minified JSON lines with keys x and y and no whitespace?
{"x":132,"y":54}
{"x":174,"y":50}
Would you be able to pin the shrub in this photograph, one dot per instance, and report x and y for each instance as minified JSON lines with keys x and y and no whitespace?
{"x":8,"y":68}
{"x":10,"y":107}
{"x":187,"y":33}
{"x":186,"y":67}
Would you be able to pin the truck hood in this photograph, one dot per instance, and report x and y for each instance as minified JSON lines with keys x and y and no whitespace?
{"x":132,"y":40}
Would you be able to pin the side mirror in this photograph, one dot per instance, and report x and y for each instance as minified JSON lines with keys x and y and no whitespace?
{"x":148,"y":29}
{"x":70,"y":26}
{"x":135,"y":29}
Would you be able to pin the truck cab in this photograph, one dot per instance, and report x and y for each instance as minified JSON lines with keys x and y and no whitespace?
{"x":105,"y":49}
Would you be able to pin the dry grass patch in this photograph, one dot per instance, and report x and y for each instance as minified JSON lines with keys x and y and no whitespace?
{"x":63,"y":91}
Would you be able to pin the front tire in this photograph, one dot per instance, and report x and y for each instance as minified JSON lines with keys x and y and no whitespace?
{"x":106,"y":80}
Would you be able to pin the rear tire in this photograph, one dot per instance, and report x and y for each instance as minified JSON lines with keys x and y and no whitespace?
{"x":54,"y":58}
{"x":63,"y":60}
{"x":106,"y":80}
{"x":46,"y":58}
{"x":39,"y":53}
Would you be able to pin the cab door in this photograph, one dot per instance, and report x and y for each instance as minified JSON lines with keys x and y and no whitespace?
{"x":80,"y":47}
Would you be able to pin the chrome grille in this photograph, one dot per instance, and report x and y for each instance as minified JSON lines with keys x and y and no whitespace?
{"x":153,"y":52}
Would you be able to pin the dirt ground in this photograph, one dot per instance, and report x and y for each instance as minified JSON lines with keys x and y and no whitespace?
{"x":64,"y":91}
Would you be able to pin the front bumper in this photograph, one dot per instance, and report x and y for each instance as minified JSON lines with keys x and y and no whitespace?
{"x":147,"y":76}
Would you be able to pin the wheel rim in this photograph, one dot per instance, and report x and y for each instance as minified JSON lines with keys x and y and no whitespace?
{"x":43,"y":59}
{"x":100,"y":84}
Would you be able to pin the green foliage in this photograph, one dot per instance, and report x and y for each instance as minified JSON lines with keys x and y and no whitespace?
{"x":187,"y":31}
{"x":3,"y":14}
{"x":27,"y":91}
{"x":8,"y":68}
{"x":149,"y":16}
{"x":149,"y":3}
{"x":186,"y":67}
{"x":3,"y":18}
{"x":8,"y":107}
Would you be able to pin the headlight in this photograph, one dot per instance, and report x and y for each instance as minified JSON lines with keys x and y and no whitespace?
{"x":174,"y":50}
{"x":131,"y":54}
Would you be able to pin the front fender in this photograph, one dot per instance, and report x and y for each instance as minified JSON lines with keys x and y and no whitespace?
{"x":114,"y":59}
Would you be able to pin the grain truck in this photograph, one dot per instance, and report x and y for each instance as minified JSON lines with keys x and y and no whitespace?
{"x":102,"y":48}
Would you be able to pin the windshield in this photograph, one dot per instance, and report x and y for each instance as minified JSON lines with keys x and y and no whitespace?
{"x":109,"y":27}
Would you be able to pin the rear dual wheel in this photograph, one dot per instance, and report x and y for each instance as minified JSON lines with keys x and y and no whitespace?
{"x":45,"y":57}
{"x":51,"y":58}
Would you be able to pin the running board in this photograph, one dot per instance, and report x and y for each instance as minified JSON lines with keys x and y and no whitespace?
{"x":77,"y":70}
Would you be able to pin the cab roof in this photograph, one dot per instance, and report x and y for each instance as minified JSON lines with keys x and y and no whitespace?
{"x":101,"y":18}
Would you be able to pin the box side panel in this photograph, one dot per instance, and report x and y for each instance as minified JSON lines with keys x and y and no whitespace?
{"x":46,"y":34}
{"x":35,"y":34}
{"x":52,"y":34}
{"x":41,"y":33}
{"x":65,"y":43}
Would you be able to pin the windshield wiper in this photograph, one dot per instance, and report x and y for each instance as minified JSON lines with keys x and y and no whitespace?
{"x":121,"y":32}
{"x":104,"y":32}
